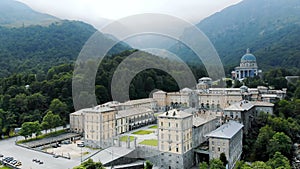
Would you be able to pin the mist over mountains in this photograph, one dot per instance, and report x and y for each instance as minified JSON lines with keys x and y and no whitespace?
{"x":270,"y":28}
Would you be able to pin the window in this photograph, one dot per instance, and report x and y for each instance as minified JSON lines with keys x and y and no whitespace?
{"x":177,"y":149}
{"x":213,"y":143}
{"x":177,"y":125}
{"x":219,"y":149}
{"x":170,"y":148}
{"x":169,"y":124}
{"x":161,"y":123}
{"x":212,"y":148}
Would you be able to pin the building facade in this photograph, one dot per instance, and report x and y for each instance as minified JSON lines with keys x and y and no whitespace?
{"x":227,"y":139}
{"x":99,"y":126}
{"x":77,"y":121}
{"x":248,"y":67}
{"x":175,"y":139}
{"x":130,"y":119}
{"x":242,"y":112}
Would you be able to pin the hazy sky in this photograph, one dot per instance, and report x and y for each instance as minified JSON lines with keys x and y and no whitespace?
{"x":92,"y":10}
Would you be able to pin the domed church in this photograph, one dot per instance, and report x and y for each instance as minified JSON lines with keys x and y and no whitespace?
{"x":248,"y":67}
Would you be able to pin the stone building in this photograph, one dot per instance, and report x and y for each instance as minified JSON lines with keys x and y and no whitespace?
{"x":99,"y":126}
{"x":265,"y":107}
{"x":248,"y":67}
{"x":139,"y":103}
{"x":203,"y":123}
{"x":243,"y":112}
{"x":226,"y":139}
{"x":175,"y":139}
{"x":129,"y":119}
{"x":77,"y":121}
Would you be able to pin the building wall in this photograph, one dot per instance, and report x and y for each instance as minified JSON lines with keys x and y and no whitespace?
{"x":231,"y":147}
{"x":175,"y":142}
{"x":218,"y":101}
{"x":76,"y":123}
{"x":244,"y":117}
{"x":268,"y":110}
{"x":125,"y":123}
{"x":200,"y":131}
{"x":99,"y":128}
{"x":175,"y":135}
{"x":160,"y":98}
{"x":235,"y":149}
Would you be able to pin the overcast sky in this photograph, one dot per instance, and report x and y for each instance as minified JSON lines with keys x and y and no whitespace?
{"x":93,"y":10}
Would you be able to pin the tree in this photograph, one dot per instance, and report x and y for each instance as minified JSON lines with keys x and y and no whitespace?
{"x":90,"y":164}
{"x":29,"y":128}
{"x":297,"y":92}
{"x":228,"y":83}
{"x":203,"y":165}
{"x":280,"y":142}
{"x":260,"y":165}
{"x":102,"y":94}
{"x":261,"y":143}
{"x":279,"y":160}
{"x":148,"y":165}
{"x":216,"y":164}
{"x":60,"y":108}
{"x":50,"y":121}
{"x":223,"y":158}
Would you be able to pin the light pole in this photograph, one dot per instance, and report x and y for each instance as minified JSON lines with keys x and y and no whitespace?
{"x":112,"y":157}
{"x":80,"y":154}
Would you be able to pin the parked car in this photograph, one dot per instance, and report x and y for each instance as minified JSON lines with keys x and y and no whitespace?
{"x":19,"y":163}
{"x":80,"y":145}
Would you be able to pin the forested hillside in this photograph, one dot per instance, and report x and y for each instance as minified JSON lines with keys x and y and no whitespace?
{"x":35,"y":49}
{"x":23,"y":97}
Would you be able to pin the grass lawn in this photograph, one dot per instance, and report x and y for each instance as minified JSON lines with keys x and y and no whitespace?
{"x":142,"y":132}
{"x":4,"y":167}
{"x":153,"y":127}
{"x":151,"y":142}
{"x":124,"y":138}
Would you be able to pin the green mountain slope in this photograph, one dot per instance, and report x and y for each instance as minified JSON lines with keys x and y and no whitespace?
{"x":37,"y":48}
{"x":270,"y":28}
{"x":16,"y":14}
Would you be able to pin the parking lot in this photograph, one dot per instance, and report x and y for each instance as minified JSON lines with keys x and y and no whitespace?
{"x":27,"y":156}
{"x":71,"y":150}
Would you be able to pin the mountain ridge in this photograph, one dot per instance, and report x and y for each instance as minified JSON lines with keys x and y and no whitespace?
{"x":264,"y":26}
{"x":17,"y":14}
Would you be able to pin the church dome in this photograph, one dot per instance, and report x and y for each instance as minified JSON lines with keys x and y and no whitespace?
{"x":248,"y":57}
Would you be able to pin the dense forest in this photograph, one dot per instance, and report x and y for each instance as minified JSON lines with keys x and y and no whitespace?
{"x":35,"y":49}
{"x":24,"y":97}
